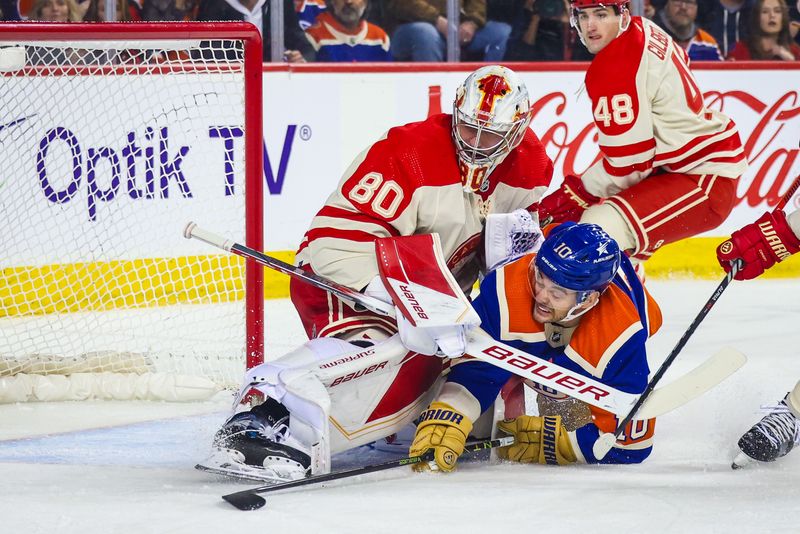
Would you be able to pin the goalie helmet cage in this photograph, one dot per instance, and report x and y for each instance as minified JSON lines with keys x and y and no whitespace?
{"x":112,"y":137}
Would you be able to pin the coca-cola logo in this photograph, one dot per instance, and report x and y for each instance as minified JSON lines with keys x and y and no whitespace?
{"x":761,"y":124}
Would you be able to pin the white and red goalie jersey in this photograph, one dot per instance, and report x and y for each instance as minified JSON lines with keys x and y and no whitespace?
{"x":408,"y":183}
{"x":650,"y":113}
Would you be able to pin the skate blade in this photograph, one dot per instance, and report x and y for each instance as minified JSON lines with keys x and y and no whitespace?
{"x":741,"y":460}
{"x":251,"y":474}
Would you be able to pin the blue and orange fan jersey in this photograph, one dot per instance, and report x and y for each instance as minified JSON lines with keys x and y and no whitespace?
{"x":335,"y":43}
{"x":607,"y":345}
{"x":308,"y":11}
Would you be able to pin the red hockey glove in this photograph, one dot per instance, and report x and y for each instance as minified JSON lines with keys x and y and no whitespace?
{"x":760,"y":245}
{"x":567,"y":203}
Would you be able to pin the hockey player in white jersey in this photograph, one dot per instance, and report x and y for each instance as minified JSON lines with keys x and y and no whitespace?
{"x":358,"y":380}
{"x":772,"y":238}
{"x":669,"y":165}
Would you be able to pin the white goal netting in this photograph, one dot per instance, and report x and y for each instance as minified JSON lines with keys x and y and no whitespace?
{"x":107,"y":150}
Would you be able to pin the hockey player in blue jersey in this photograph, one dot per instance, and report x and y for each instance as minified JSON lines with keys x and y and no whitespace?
{"x":578,"y":303}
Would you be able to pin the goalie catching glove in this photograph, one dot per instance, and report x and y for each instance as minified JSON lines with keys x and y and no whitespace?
{"x":444,"y":430}
{"x":537,"y":440}
{"x":509,"y":236}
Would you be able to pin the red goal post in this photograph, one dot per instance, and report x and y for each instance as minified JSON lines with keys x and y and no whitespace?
{"x":112,"y":137}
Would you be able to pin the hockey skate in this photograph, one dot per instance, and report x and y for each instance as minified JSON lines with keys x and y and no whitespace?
{"x":771,"y":438}
{"x":257,"y":445}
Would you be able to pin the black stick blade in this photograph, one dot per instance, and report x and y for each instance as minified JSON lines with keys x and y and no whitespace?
{"x":245,"y":500}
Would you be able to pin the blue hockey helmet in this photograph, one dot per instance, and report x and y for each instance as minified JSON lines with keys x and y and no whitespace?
{"x":580,"y":257}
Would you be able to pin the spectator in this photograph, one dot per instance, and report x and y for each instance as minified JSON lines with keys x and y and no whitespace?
{"x":678,"y":20}
{"x":342,"y":34}
{"x":126,"y":10}
{"x":57,"y":11}
{"x":541,"y":32}
{"x":794,"y":22}
{"x":308,"y":11}
{"x":298,"y":49}
{"x":768,"y":36}
{"x":9,"y":10}
{"x":726,"y":21}
{"x":169,"y":10}
{"x":420,"y":27}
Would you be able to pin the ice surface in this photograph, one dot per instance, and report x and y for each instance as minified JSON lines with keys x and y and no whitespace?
{"x":127,"y":467}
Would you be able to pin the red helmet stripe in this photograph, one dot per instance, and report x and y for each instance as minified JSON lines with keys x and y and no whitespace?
{"x":491,"y":88}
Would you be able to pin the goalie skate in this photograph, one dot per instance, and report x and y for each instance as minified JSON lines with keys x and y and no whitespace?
{"x":258,"y":445}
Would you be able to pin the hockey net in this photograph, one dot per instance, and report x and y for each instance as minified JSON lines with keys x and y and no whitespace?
{"x":112,"y":138}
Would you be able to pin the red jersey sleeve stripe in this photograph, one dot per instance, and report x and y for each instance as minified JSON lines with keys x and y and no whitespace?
{"x":333,"y":233}
{"x":628,"y":150}
{"x":723,"y":146}
{"x":339,"y":213}
{"x":628,"y":169}
{"x":696,"y":141}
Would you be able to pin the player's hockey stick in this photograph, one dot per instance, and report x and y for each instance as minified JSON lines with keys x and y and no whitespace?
{"x":787,"y":196}
{"x":251,"y":500}
{"x":516,"y":361}
{"x":607,"y":440}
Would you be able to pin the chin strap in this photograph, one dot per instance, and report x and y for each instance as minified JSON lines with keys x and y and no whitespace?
{"x":571,"y":313}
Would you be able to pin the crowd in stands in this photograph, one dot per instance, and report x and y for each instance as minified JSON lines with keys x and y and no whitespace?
{"x":487,"y":30}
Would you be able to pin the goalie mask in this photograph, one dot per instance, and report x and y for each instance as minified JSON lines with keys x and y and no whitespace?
{"x":491,"y":113}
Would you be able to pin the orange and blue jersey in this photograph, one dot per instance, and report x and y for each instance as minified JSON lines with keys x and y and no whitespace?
{"x":607,"y":345}
{"x":308,"y":11}
{"x":335,"y":43}
{"x":703,"y":47}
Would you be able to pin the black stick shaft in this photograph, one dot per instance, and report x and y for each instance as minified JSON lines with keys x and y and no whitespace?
{"x":250,"y":500}
{"x":736,"y":266}
{"x":679,"y":346}
{"x":789,"y":193}
{"x":341,"y":291}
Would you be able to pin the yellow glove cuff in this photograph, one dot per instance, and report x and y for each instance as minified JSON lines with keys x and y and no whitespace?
{"x":443,"y":429}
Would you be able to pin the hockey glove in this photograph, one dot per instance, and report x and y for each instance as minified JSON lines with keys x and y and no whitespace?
{"x":444,"y":430}
{"x":760,"y":245}
{"x":537,"y":440}
{"x":509,"y":236}
{"x":567,"y":203}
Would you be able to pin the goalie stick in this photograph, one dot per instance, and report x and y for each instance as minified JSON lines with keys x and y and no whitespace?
{"x":251,"y":500}
{"x":485,"y":348}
